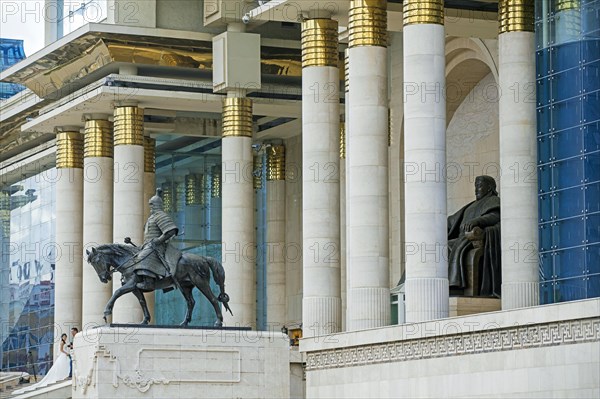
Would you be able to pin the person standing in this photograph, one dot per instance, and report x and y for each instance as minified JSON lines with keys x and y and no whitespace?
{"x":74,"y":332}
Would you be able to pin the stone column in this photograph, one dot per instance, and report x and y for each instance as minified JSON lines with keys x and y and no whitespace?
{"x":425,"y":155}
{"x":367,"y":168}
{"x":97,"y":213}
{"x":321,"y":303}
{"x":69,"y":231}
{"x":276,"y":305}
{"x":238,"y":210}
{"x":518,"y":155}
{"x":149,"y":191}
{"x":128,"y":211}
{"x":344,"y":127}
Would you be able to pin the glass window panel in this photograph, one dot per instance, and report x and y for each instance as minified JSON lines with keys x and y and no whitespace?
{"x":569,"y":263}
{"x":545,"y":236}
{"x":569,"y":203}
{"x":592,"y":198}
{"x":593,"y":286}
{"x":545,"y":178}
{"x":543,"y":91}
{"x":570,"y":289}
{"x":566,"y":84}
{"x":590,"y":19}
{"x":590,"y":74}
{"x":592,"y":228}
{"x":546,"y":292}
{"x":544,"y":148}
{"x":590,"y":50}
{"x":542,"y":59}
{"x":591,"y":107}
{"x":568,"y":173}
{"x":591,"y":137}
{"x":591,"y":163}
{"x":544,"y":120}
{"x":568,"y":143}
{"x":566,"y":114}
{"x":592,"y":259}
{"x":546,"y":266}
{"x":568,"y":233}
{"x":545,"y":208}
{"x":565,"y":56}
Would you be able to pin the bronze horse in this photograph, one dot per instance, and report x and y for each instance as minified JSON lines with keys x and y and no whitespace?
{"x":191,"y":271}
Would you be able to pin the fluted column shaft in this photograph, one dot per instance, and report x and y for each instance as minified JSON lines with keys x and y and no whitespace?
{"x":69,"y":232}
{"x":128,"y":211}
{"x":367,"y":168}
{"x":518,"y":153}
{"x":425,"y":155}
{"x":97,"y":213}
{"x":275,"y":263}
{"x":321,"y":302}
{"x":239,"y":244}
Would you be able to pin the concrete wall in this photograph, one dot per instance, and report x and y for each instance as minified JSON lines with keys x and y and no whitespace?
{"x":472,"y":143}
{"x":547,"y":351}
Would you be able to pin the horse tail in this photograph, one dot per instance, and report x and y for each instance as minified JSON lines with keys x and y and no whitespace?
{"x":218,"y":274}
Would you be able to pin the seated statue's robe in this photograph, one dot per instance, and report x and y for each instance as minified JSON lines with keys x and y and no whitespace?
{"x":487,"y":212}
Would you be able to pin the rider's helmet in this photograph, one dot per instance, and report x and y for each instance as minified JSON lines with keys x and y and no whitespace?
{"x":156,"y":201}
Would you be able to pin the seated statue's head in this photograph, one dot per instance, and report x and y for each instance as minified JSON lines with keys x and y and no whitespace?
{"x":156,"y":202}
{"x":484,"y":186}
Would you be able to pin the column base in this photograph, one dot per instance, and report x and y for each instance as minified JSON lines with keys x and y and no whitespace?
{"x":520,"y":295}
{"x":368,"y":308}
{"x":426,"y":299}
{"x":321,"y":316}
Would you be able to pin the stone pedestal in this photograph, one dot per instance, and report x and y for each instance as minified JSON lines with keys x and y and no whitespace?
{"x":134,"y":362}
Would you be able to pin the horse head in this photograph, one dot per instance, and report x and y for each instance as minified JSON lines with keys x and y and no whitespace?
{"x":101,"y":264}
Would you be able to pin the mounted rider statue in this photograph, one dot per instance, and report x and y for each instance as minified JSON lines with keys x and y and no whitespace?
{"x":157,"y":258}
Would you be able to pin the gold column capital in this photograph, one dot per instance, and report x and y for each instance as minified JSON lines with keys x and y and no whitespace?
{"x":194,"y":189}
{"x":98,"y":139}
{"x":215,"y":182}
{"x":564,"y":5}
{"x":237,"y":117}
{"x":320,"y":42}
{"x":129,"y":126}
{"x":149,"y":155}
{"x":423,"y":12}
{"x":69,"y":150}
{"x":276,"y":163}
{"x":368,"y":23}
{"x":346,"y":72}
{"x":516,"y":16}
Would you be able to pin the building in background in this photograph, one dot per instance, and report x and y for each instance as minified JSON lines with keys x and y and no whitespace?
{"x":11,"y":52}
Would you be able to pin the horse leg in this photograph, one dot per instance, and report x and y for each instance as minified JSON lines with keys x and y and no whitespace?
{"x":186,"y":290}
{"x":140,"y":296}
{"x":204,"y":287}
{"x":124,"y":289}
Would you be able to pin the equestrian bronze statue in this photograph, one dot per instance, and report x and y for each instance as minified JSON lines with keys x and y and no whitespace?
{"x":159,"y":265}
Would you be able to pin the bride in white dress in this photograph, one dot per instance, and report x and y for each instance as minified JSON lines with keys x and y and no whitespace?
{"x":58,"y":372}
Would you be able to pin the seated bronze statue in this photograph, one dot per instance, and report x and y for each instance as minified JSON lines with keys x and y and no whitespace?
{"x":476,"y":222}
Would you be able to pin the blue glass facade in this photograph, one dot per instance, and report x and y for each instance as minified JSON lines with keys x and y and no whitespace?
{"x":568,"y":108}
{"x":186,"y":170}
{"x":11,"y":52}
{"x":27,"y":217}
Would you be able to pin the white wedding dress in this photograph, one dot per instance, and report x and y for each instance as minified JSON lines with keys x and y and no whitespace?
{"x":58,"y":372}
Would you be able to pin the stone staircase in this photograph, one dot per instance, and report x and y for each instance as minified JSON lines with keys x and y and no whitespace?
{"x":9,"y":382}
